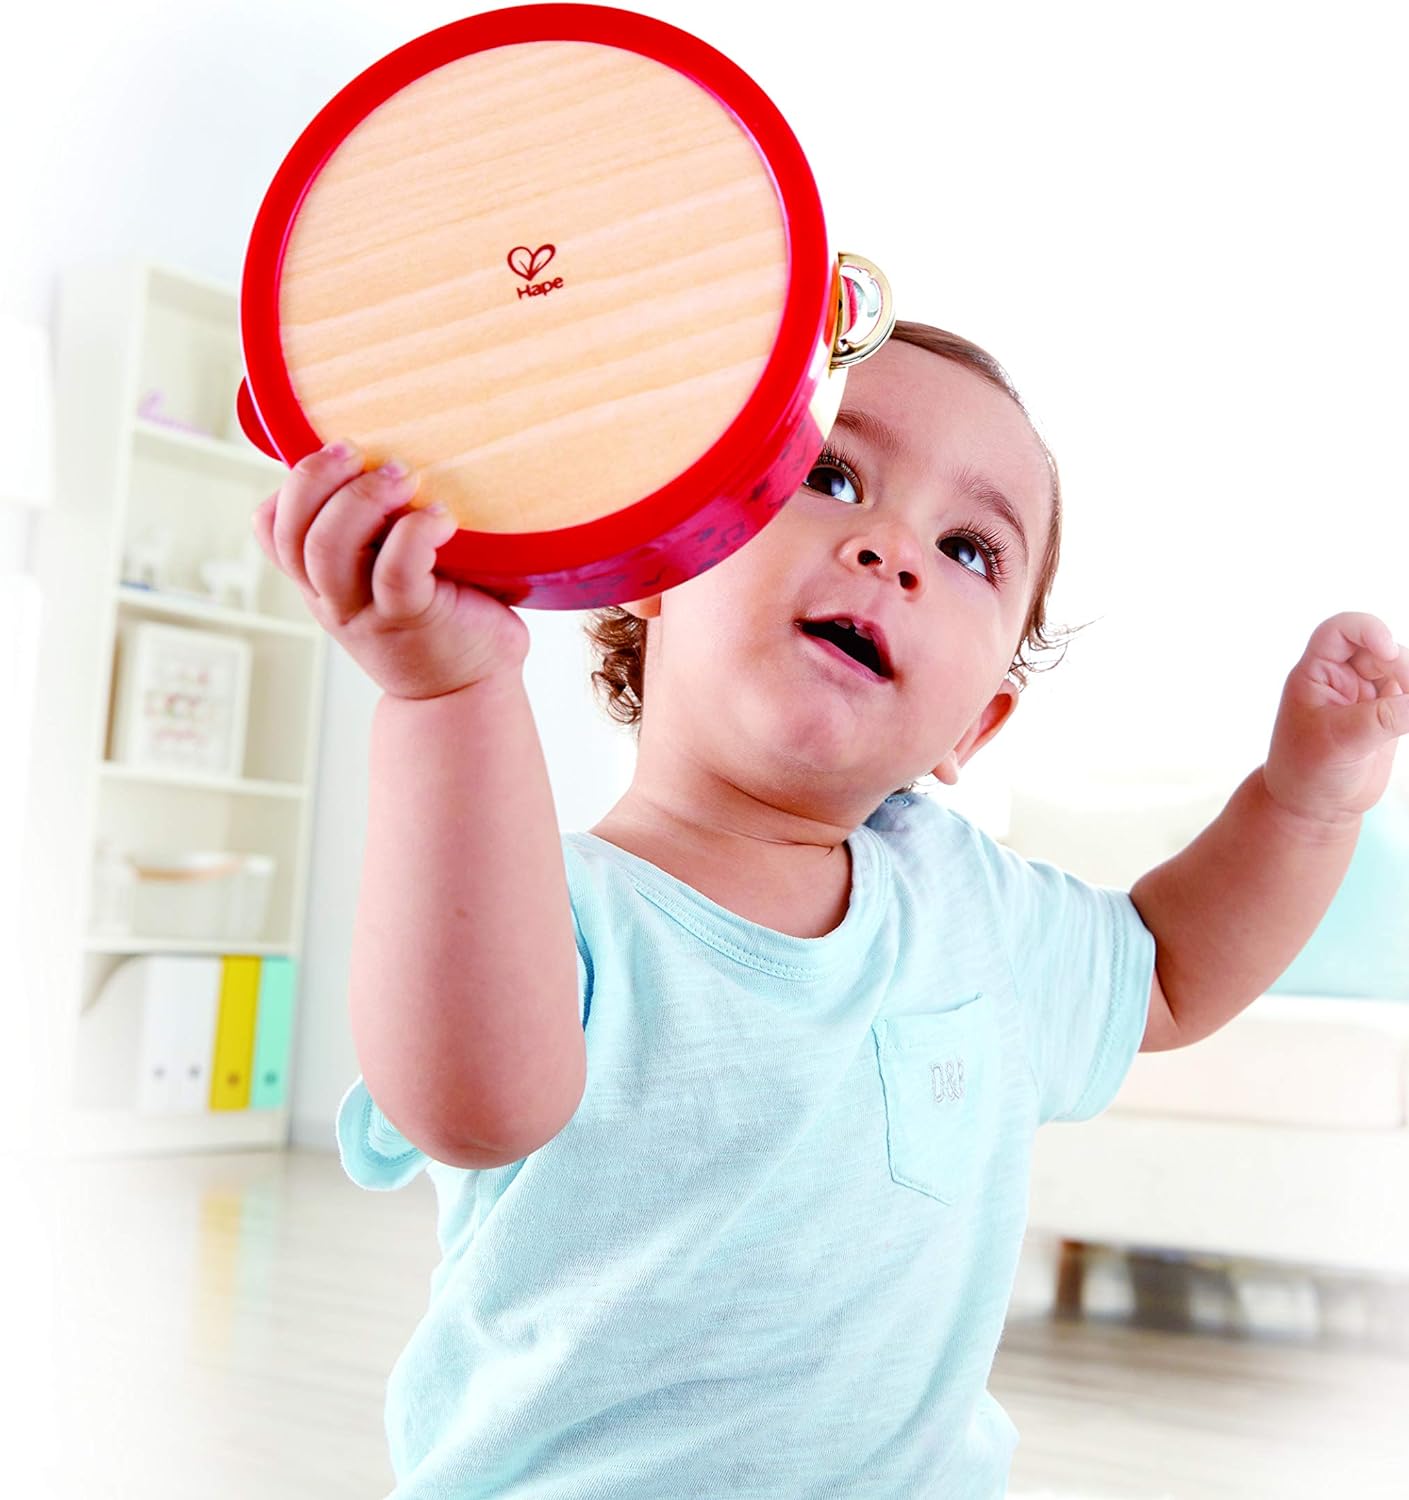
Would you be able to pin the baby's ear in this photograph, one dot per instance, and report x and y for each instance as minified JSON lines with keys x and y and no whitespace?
{"x":996,"y":713}
{"x":643,"y":609}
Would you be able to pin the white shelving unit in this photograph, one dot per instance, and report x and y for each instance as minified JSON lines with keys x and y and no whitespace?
{"x":125,"y":330}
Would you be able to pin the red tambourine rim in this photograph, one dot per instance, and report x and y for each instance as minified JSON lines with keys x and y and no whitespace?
{"x":776,"y":397}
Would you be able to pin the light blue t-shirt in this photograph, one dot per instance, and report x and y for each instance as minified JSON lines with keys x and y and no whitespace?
{"x":771,"y":1254}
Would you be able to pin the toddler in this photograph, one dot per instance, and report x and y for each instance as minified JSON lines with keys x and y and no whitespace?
{"x":728,"y":1102}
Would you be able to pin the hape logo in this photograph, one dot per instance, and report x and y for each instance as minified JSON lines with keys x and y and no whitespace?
{"x":528,"y":263}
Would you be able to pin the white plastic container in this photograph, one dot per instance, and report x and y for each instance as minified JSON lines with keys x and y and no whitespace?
{"x":114,"y":891}
{"x":218,"y":895}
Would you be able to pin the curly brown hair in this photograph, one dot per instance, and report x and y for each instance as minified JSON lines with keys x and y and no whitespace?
{"x":619,"y":638}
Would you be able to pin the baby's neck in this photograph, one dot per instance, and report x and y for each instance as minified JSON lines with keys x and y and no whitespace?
{"x":799,"y":889}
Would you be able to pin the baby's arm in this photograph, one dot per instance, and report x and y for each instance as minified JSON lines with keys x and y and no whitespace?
{"x":463,"y":991}
{"x":464,"y":968}
{"x":1231,"y":911}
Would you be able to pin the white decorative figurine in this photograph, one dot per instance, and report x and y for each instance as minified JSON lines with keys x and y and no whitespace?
{"x":145,"y":558}
{"x":238,"y":577}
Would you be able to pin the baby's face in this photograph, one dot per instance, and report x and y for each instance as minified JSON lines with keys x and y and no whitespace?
{"x":897,"y":535}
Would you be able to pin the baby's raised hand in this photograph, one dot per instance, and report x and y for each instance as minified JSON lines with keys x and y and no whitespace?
{"x":367,"y":576}
{"x":1344,"y":706}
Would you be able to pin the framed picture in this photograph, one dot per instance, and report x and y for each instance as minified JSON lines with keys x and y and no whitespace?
{"x":182,"y":699}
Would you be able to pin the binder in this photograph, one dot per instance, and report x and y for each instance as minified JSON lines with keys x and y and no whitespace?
{"x":176,"y":997}
{"x":188,"y":1033}
{"x":234,"y":1038}
{"x":273,"y":1034}
{"x":192,"y":1032}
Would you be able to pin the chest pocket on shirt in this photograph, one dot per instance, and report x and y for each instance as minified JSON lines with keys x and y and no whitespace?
{"x":939,"y":1073}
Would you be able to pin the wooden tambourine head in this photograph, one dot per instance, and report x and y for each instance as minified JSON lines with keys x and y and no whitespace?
{"x":569,"y":263}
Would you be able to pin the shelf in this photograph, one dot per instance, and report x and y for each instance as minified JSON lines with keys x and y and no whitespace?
{"x":120,"y":1132}
{"x":222,"y":455}
{"x":156,"y":474}
{"x":240,"y":786}
{"x":177,"y":607}
{"x":217,"y":946}
{"x":192,"y":293}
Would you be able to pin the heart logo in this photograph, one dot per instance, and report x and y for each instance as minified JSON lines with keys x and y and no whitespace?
{"x":528,"y":263}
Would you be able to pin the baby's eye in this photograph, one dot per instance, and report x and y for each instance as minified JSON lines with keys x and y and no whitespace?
{"x":967,"y":543}
{"x":838,"y":476}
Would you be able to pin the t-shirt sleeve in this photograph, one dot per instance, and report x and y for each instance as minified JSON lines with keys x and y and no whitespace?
{"x":580,"y":897}
{"x":1083,"y":962}
{"x":374,"y":1152}
{"x":584,"y":974}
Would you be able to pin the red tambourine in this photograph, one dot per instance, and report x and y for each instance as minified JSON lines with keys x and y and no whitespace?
{"x":569,"y":263}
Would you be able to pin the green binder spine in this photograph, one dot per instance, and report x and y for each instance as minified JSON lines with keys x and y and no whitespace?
{"x":273,"y":1034}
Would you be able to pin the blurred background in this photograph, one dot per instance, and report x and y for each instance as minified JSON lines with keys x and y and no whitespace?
{"x":1180,"y":230}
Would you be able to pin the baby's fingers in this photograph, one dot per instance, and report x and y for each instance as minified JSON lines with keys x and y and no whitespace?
{"x":403,"y":576}
{"x":262,"y":524}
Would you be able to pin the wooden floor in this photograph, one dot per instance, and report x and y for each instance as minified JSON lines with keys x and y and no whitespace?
{"x":223,"y":1327}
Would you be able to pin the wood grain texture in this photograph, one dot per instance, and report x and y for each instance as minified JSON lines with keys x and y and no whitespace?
{"x":225,"y":1324}
{"x":401,"y":321}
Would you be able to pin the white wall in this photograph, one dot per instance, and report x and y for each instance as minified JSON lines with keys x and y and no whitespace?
{"x":1178,"y":228}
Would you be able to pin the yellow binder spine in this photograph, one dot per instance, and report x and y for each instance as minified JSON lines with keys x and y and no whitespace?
{"x":234,"y":1037}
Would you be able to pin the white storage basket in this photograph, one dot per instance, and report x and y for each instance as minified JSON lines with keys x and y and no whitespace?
{"x":216,"y":895}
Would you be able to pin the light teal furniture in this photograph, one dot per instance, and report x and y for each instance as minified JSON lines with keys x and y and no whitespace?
{"x":1361,"y":947}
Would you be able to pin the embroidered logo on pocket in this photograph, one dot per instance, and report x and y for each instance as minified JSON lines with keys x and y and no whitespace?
{"x":947,"y":1081}
{"x":937,"y":1071}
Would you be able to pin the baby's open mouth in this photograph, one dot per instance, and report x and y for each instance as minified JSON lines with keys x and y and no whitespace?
{"x":845,"y":637}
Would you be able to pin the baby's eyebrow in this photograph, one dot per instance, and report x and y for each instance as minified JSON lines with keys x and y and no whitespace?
{"x":987,"y":494}
{"x":876,"y":430}
{"x":973,"y":486}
